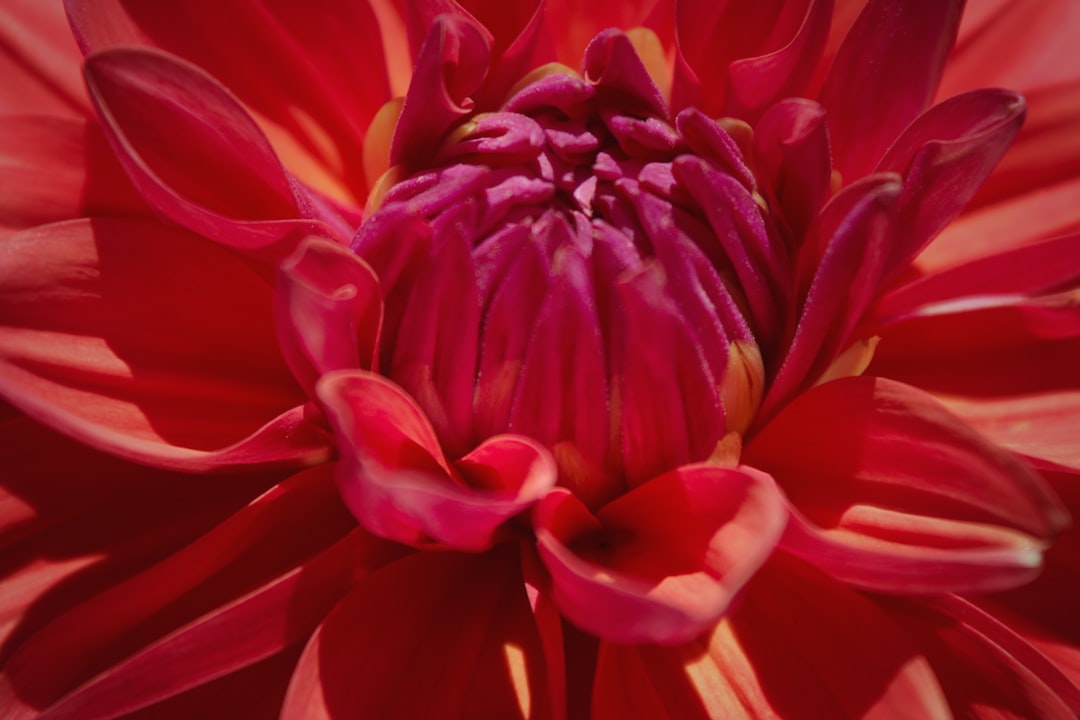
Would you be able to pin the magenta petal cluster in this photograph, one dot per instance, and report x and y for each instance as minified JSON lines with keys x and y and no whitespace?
{"x":540,"y":359}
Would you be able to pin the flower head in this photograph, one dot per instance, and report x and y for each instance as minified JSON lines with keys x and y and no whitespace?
{"x":433,"y":359}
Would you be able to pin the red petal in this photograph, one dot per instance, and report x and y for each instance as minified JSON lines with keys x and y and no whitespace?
{"x":798,"y":646}
{"x":315,"y":76}
{"x":39,"y":61}
{"x":224,"y":181}
{"x":73,"y":522}
{"x":1046,"y":151}
{"x":1042,"y":611}
{"x":884,"y":74}
{"x":944,"y":156}
{"x":397,"y":481}
{"x":854,"y":230}
{"x":435,"y":349}
{"x":562,"y":401}
{"x":328,"y":306}
{"x":274,"y":534}
{"x":432,"y":635}
{"x":54,"y":169}
{"x":898,"y":495}
{"x":573,"y":24}
{"x":662,"y":563}
{"x":451,"y":65}
{"x":1042,"y":213}
{"x":1021,"y":44}
{"x":613,"y":66}
{"x":982,"y":679}
{"x":261,"y":624}
{"x":667,"y":402}
{"x":1005,"y":364}
{"x":1034,"y":269}
{"x":732,"y":56}
{"x":791,"y":150}
{"x":150,"y":343}
{"x":758,"y":82}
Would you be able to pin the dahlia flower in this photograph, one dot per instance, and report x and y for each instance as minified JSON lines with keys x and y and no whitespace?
{"x":539,"y":359}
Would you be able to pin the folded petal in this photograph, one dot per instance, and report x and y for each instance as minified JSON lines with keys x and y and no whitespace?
{"x":431,"y":635}
{"x":736,"y":58}
{"x":148,"y":342}
{"x":398,"y":483}
{"x":836,"y":656}
{"x":884,"y":74}
{"x":224,"y":181}
{"x":314,"y":77}
{"x":328,"y":308}
{"x":893,"y":493}
{"x":451,"y":65}
{"x":274,"y":534}
{"x":662,"y":563}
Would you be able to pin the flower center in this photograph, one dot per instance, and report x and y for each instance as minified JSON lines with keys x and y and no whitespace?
{"x":578,"y":269}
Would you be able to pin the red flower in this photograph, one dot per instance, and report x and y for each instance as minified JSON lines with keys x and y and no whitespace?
{"x":369,"y":361}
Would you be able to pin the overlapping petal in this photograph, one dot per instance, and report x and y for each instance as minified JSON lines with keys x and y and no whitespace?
{"x":54,"y":169}
{"x":106,"y":329}
{"x":839,"y":656}
{"x":224,"y":181}
{"x":315,"y":79}
{"x":663,"y":562}
{"x":895,"y":494}
{"x":397,"y":481}
{"x":432,"y":634}
{"x":274,"y":534}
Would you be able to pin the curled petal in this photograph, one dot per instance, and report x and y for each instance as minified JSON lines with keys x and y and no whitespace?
{"x":662,"y":563}
{"x":620,"y":77}
{"x":224,"y":181}
{"x":329,"y":311}
{"x":398,"y":483}
{"x":104,"y":335}
{"x":895,"y":494}
{"x":451,"y":65}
